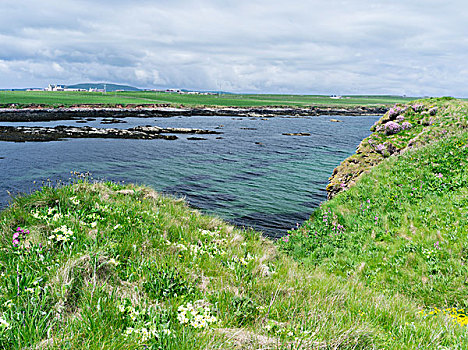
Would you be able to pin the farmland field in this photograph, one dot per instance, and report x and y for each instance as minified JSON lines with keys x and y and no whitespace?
{"x":24,"y":98}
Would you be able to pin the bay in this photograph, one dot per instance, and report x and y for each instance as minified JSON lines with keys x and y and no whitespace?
{"x":252,"y":175}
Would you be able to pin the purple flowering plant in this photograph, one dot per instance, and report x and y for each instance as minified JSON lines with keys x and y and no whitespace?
{"x":417,"y":107}
{"x":19,"y":235}
{"x":392,"y":128}
{"x":406,"y":126}
{"x":380,"y":148}
{"x":325,"y":231}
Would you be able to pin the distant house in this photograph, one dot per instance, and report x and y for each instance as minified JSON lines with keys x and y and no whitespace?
{"x":96,"y":90}
{"x":336,"y":97}
{"x":74,"y":89}
{"x":55,"y":88}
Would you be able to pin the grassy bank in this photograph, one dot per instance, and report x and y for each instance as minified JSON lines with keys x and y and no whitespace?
{"x":106,"y":266}
{"x":402,"y":228}
{"x":25,"y":98}
{"x":403,"y":127}
{"x":380,"y":266}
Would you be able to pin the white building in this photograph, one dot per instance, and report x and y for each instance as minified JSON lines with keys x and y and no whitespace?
{"x":55,"y":88}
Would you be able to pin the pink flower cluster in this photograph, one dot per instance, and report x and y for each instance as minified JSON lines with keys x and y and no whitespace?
{"x":418,"y":107}
{"x":18,"y":235}
{"x":394,"y":112}
{"x":432,"y":111}
{"x":380,"y":148}
{"x":406,"y":125}
{"x":392,"y":128}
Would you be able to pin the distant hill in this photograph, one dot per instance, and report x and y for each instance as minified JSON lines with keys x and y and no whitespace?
{"x":109,"y":87}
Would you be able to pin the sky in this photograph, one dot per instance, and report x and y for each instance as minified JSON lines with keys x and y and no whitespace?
{"x":411,"y":47}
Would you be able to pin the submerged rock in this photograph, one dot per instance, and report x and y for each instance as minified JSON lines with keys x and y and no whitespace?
{"x":196,"y":138}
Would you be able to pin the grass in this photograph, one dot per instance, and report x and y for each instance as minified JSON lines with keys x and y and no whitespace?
{"x":25,"y":98}
{"x":403,"y":226}
{"x":92,"y":265}
{"x":112,"y":266}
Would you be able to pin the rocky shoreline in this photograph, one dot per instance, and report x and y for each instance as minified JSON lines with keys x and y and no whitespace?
{"x":38,"y":113}
{"x":35,"y":134}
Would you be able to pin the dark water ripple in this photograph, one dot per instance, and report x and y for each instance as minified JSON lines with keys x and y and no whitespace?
{"x":258,"y":178}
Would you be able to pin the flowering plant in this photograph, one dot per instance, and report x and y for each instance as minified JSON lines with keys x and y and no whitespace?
{"x":406,"y":125}
{"x":19,"y":235}
{"x":417,"y":107}
{"x":147,"y":324}
{"x":392,"y":128}
{"x":61,"y":234}
{"x":196,"y":315}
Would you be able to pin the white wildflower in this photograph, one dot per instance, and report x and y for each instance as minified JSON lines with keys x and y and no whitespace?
{"x":113,"y":262}
{"x":74,"y":200}
{"x":4,"y":323}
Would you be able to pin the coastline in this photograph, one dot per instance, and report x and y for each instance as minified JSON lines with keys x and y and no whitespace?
{"x":41,"y":113}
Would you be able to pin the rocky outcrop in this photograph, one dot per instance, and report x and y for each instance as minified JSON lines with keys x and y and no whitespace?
{"x":148,"y":111}
{"x":401,"y":128}
{"x":109,"y":121}
{"x":296,"y":133}
{"x":25,"y":133}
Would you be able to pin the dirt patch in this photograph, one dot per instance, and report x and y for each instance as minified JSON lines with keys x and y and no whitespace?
{"x":243,"y":339}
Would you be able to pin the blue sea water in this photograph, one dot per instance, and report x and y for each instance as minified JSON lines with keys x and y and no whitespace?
{"x":251,"y":175}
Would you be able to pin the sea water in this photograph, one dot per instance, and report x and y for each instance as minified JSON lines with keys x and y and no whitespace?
{"x":251,"y":175}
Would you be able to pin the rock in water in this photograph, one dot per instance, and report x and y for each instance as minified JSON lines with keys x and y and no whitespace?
{"x":296,"y":133}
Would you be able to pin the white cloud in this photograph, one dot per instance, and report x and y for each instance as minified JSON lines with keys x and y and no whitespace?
{"x":362,"y":46}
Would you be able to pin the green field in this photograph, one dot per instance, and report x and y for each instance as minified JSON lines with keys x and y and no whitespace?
{"x":25,"y":98}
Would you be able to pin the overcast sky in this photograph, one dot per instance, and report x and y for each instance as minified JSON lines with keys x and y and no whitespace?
{"x":407,"y":47}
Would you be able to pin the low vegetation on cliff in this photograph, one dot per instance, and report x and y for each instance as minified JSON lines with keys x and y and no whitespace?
{"x":403,"y":227}
{"x":402,"y":127}
{"x":110,"y":266}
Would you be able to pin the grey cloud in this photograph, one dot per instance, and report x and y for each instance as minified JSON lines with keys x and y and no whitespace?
{"x":416,"y":47}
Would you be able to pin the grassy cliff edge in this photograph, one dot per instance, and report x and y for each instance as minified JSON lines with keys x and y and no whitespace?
{"x":403,"y":127}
